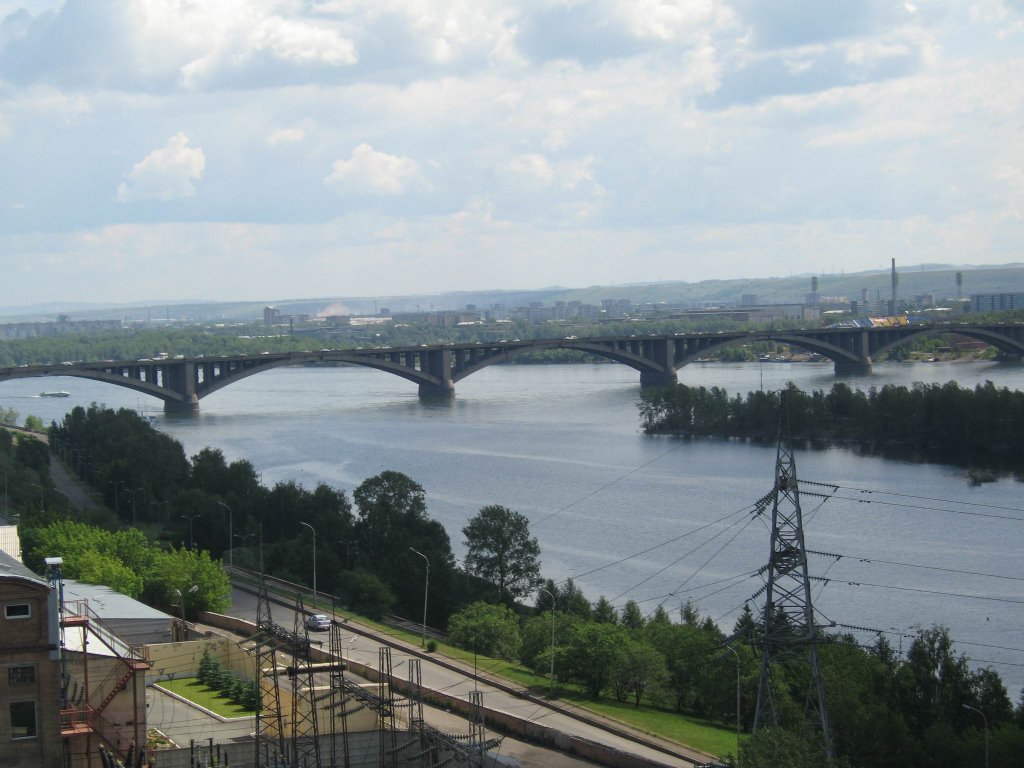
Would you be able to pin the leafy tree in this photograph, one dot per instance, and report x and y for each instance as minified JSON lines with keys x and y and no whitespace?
{"x":501,"y":550}
{"x":568,"y":599}
{"x":33,"y":423}
{"x":492,"y":630}
{"x":176,"y":572}
{"x":774,"y":747}
{"x":604,"y":611}
{"x":392,"y":520}
{"x":591,"y":654}
{"x":365,"y":593}
{"x":632,"y":616}
{"x":639,"y":668}
{"x":96,"y":568}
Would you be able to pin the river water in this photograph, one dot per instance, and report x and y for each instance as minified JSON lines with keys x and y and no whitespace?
{"x":656,"y":519}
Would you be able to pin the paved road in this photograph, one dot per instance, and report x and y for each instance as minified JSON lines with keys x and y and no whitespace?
{"x":365,"y":650}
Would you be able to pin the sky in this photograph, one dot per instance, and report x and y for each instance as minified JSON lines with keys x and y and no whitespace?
{"x":270,"y":149}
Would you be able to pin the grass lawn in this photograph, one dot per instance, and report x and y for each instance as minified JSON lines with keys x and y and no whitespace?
{"x":190,"y":688}
{"x":696,"y":733}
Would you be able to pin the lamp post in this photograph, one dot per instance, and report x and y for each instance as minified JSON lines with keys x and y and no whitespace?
{"x":133,"y":491}
{"x":426,"y":590}
{"x":314,"y":559}
{"x":985,"y":719}
{"x":191,"y":590}
{"x":551,"y":688}
{"x":164,"y":504}
{"x":737,"y":655}
{"x":117,"y":496}
{"x":36,"y":485}
{"x":190,"y":518}
{"x":231,"y":536}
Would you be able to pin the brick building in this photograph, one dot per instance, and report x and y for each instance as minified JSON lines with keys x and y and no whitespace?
{"x":29,"y":669}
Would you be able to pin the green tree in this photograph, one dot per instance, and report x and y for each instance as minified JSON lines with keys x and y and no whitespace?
{"x":774,"y":747}
{"x":491,"y":630}
{"x":96,"y":568}
{"x":175,"y":573}
{"x":591,"y":654}
{"x":604,"y":611}
{"x":501,"y":550}
{"x":34,"y":424}
{"x":632,"y":616}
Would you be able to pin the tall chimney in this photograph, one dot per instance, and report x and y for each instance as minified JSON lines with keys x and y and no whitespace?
{"x":895,"y":282}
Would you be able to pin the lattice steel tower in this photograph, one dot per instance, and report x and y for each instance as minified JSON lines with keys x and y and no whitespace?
{"x":789,"y":627}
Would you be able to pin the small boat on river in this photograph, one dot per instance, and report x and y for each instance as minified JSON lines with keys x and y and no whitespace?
{"x":60,"y":393}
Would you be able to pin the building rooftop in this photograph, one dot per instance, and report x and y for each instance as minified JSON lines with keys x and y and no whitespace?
{"x":11,"y":567}
{"x":108,"y":604}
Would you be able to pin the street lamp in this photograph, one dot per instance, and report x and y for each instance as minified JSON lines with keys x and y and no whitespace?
{"x":314,"y":559}
{"x":117,"y":496}
{"x":231,"y":536}
{"x":133,"y":491}
{"x":36,"y":485}
{"x":164,"y":504}
{"x":190,"y":518}
{"x":191,"y":590}
{"x":551,"y":689}
{"x":426,"y":588}
{"x":985,"y":719}
{"x":737,"y":655}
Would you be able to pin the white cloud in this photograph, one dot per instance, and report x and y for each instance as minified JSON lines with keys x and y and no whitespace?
{"x":303,"y":43}
{"x":368,"y":170}
{"x":165,"y":174}
{"x":286,"y":136}
{"x":532,"y":167}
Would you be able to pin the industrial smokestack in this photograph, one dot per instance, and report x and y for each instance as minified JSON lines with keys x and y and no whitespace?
{"x":959,"y":285}
{"x":895,"y":282}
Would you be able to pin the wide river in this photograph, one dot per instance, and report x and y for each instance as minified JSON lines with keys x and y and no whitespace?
{"x":655,"y":519}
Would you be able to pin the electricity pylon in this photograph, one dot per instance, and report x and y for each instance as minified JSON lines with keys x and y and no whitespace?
{"x":789,"y":627}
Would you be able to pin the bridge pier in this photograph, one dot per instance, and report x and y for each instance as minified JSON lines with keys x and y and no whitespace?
{"x":851,"y":368}
{"x":182,"y":408}
{"x":435,"y":391}
{"x":658,"y":378}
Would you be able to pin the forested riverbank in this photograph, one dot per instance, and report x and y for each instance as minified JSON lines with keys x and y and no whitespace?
{"x":981,"y":427}
{"x":668,"y":663}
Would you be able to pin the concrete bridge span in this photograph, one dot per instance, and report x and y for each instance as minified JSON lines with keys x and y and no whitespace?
{"x":182,"y":382}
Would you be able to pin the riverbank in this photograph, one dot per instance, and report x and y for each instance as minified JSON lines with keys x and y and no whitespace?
{"x":980,"y":428}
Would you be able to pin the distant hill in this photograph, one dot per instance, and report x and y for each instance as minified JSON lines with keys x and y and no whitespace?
{"x":939,"y":280}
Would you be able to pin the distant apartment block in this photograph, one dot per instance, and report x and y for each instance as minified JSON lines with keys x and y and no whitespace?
{"x":996,"y":302}
{"x":62,"y":327}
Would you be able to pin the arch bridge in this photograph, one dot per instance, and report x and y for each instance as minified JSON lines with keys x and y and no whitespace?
{"x":182,"y":382}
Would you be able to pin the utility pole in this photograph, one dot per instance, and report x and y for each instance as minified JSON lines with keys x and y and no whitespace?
{"x":789,"y":627}
{"x":551,"y":687}
{"x":231,"y":536}
{"x":426,"y":591}
{"x":314,"y":560}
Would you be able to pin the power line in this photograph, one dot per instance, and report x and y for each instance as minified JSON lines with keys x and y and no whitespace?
{"x":607,"y":485}
{"x":922,"y":498}
{"x":862,"y":559}
{"x":924,"y":591}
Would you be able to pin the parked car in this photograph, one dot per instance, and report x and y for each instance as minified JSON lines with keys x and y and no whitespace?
{"x":318,"y":622}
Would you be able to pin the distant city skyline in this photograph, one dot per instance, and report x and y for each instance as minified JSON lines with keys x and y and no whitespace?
{"x":241,"y":150}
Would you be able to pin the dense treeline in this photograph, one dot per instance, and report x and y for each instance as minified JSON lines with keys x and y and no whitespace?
{"x":886,"y":711}
{"x":145,"y":477}
{"x":984,"y":423}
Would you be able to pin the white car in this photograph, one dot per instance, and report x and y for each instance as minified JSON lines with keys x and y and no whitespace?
{"x":318,"y":622}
